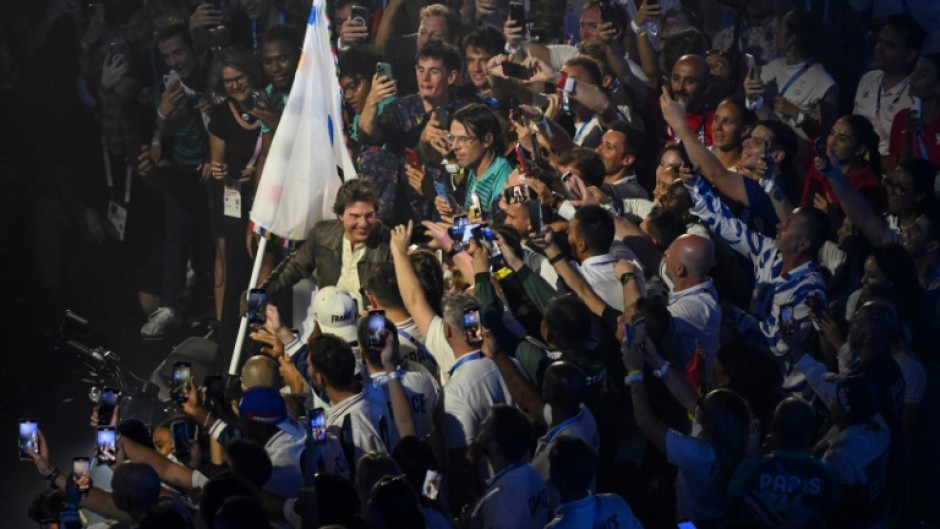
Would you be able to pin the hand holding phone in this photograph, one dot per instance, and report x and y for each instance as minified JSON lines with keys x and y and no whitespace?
{"x":257,"y":300}
{"x":107,"y":445}
{"x":106,"y":404}
{"x":318,"y":425}
{"x":787,"y":322}
{"x":432,"y":484}
{"x":472,"y":326}
{"x":376,"y":328}
{"x":180,"y":383}
{"x":29,"y":439}
{"x":81,"y":474}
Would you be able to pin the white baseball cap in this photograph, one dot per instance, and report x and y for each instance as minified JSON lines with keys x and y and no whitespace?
{"x":336,"y":312}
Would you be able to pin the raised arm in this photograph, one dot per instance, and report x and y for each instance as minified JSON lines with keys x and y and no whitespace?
{"x":411,"y":292}
{"x":523,"y":392}
{"x":570,"y":276}
{"x":401,"y":408}
{"x":730,"y":184}
{"x":855,"y":205}
{"x":179,"y":476}
{"x":387,"y":25}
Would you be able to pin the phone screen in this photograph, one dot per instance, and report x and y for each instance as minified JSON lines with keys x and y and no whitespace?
{"x":180,"y":431}
{"x":535,"y":215}
{"x":109,"y":399}
{"x":376,"y":328}
{"x":29,"y":438}
{"x":182,"y":374}
{"x":81,"y":466}
{"x":318,"y":425}
{"x":685,"y":525}
{"x":257,"y":299}
{"x":107,"y":445}
{"x":786,"y":319}
{"x":471,"y":324}
{"x":432,"y":484}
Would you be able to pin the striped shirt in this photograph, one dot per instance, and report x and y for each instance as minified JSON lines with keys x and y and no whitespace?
{"x":772,"y":289}
{"x":490,"y":185}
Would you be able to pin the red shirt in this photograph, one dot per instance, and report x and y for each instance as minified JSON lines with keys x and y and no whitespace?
{"x":928,"y":139}
{"x":864,"y":181}
{"x":701,"y":125}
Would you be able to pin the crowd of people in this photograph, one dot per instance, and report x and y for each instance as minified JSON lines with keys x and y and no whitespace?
{"x":604,"y":263}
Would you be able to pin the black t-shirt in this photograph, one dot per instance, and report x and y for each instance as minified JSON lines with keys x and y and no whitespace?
{"x":240,"y":143}
{"x":885,"y":374}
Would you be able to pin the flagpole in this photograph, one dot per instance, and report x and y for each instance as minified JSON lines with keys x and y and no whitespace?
{"x":243,"y":325}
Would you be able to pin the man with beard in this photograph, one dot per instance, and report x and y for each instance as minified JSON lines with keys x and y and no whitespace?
{"x":687,"y":86}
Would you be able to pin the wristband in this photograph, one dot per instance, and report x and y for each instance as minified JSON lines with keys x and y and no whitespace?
{"x":52,"y":476}
{"x":557,"y":258}
{"x":160,"y":115}
{"x":633,"y":378}
{"x":394,"y":375}
{"x":661,"y":372}
{"x":800,"y":118}
{"x":636,"y":29}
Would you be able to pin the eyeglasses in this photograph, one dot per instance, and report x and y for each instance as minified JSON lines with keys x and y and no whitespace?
{"x":460,"y":140}
{"x":234,"y":80}
{"x":897,"y":187}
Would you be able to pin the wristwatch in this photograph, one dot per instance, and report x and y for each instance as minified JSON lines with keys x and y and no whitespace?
{"x":626,"y":277}
{"x":458,"y":247}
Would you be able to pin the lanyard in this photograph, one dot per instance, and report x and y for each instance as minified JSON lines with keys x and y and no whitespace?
{"x":109,"y":179}
{"x":796,"y":76}
{"x":583,"y":126}
{"x":418,"y":345}
{"x":463,"y":360}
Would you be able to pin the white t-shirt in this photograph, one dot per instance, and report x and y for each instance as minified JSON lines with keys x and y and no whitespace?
{"x":581,"y":425}
{"x":284,"y":449}
{"x":539,"y":264}
{"x":879,"y":106}
{"x":369,"y":424}
{"x":474,"y":387}
{"x":516,"y":498}
{"x":598,"y":273}
{"x":852,"y":450}
{"x":408,"y":335}
{"x":700,"y":489}
{"x":595,"y":512}
{"x":696,"y":317}
{"x":437,"y":345}
{"x":806,"y":90}
{"x":422,"y":390}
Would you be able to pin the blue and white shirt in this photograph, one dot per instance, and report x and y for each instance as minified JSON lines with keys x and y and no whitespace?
{"x":772,"y":290}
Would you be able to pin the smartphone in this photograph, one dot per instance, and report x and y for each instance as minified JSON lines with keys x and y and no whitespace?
{"x":29,"y":439}
{"x":751,"y":65}
{"x":106,"y":404}
{"x":413,"y":159}
{"x":441,"y":189}
{"x":432,"y":484}
{"x":443,"y":118}
{"x":115,"y":48}
{"x":180,"y":432}
{"x":787,"y":325}
{"x":376,"y":328}
{"x":107,"y":445}
{"x":318,"y":425}
{"x":257,"y":299}
{"x":535,"y":215}
{"x":384,"y":69}
{"x":471,"y":325}
{"x":496,"y":255}
{"x":518,"y":71}
{"x":685,"y":525}
{"x":182,"y":374}
{"x":460,"y":221}
{"x":517,"y":13}
{"x":215,"y":389}
{"x":684,"y":155}
{"x":360,"y":14}
{"x":627,"y":333}
{"x":81,"y":466}
{"x":172,"y":80}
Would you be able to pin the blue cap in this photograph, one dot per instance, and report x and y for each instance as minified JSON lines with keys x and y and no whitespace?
{"x":262,"y":404}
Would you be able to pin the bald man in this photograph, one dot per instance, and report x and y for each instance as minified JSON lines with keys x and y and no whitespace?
{"x":687,"y":84}
{"x":693,"y":302}
{"x":261,"y":370}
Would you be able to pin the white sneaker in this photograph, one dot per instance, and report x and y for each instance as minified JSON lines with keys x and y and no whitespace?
{"x":162,"y":319}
